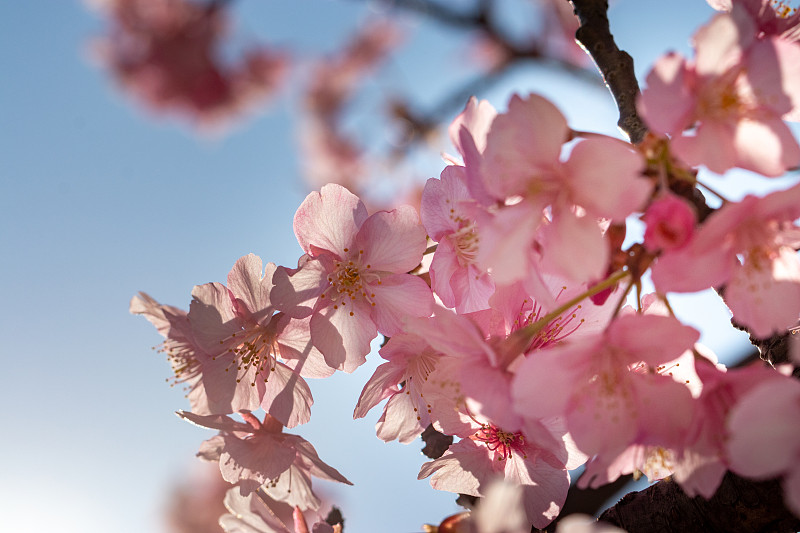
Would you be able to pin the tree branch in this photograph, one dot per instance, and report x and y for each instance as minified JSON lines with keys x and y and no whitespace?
{"x":615,"y":65}
{"x":739,"y":506}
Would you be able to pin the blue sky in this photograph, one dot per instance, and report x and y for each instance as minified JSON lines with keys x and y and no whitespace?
{"x":100,"y":200}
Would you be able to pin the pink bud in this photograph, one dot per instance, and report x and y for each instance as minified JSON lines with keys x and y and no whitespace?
{"x":670,"y":223}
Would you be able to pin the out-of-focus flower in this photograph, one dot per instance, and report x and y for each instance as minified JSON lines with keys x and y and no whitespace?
{"x":736,"y":92}
{"x":166,"y":53}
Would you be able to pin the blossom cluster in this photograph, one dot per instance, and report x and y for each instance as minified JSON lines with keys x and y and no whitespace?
{"x":504,"y":302}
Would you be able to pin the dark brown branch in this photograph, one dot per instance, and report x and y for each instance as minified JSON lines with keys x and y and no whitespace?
{"x":739,"y":506}
{"x":615,"y":65}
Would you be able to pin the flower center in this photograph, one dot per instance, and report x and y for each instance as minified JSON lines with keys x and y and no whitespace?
{"x":350,"y":281}
{"x":555,"y":331}
{"x":465,"y":242}
{"x":253,"y":351}
{"x":502,"y":443}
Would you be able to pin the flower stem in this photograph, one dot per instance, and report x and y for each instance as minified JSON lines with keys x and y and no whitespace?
{"x":532,"y":330}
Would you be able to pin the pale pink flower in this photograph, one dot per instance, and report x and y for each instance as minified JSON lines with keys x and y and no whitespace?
{"x":670,"y":223}
{"x":167,"y":54}
{"x":593,"y":383}
{"x":354,"y":279}
{"x":183,"y":352}
{"x":764,"y":441}
{"x":410,"y":360}
{"x":750,"y":247}
{"x":468,"y":133}
{"x":702,"y":463}
{"x":259,"y":455}
{"x":736,"y":92}
{"x":254,"y":513}
{"x":471,"y":465}
{"x":558,"y":33}
{"x":257,"y":512}
{"x":469,"y":388}
{"x":256,"y":357}
{"x":448,"y":214}
{"x":600,"y":178}
{"x":772,"y":17}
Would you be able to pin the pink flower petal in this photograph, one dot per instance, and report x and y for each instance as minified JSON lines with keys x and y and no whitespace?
{"x":287,"y":397}
{"x":295,"y":291}
{"x":666,"y":103}
{"x":764,"y":295}
{"x":765,"y":418}
{"x":767,"y":147}
{"x":392,"y":241}
{"x":719,"y":44}
{"x":251,"y":283}
{"x":294,"y":341}
{"x":666,"y":337}
{"x":524,"y":141}
{"x":383,"y":383}
{"x":343,"y":334}
{"x":604,"y":176}
{"x":574,"y":247}
{"x":398,"y":296}
{"x":328,"y":220}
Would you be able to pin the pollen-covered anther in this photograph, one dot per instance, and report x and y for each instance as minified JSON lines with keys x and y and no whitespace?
{"x":502,"y":443}
{"x":256,"y":350}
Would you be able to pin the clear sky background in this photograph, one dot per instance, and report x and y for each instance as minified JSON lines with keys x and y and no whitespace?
{"x":99,"y":200}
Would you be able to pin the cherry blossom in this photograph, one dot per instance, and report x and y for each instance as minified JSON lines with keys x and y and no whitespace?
{"x":182,"y":351}
{"x":353,"y":281}
{"x":772,"y":17}
{"x":704,"y":460}
{"x":255,"y":454}
{"x":449,"y":216}
{"x":471,"y":465}
{"x":748,"y":246}
{"x":670,"y":223}
{"x":592,"y":383}
{"x":237,"y":328}
{"x":767,"y":419}
{"x":166,"y":53}
{"x":599,"y":179}
{"x":410,"y":360}
{"x":736,"y":91}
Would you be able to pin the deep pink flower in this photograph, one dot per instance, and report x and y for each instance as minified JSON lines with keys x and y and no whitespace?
{"x":748,"y":246}
{"x":670,"y":223}
{"x":354,"y":279}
